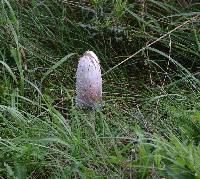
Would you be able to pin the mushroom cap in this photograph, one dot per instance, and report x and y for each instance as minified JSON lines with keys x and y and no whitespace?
{"x":92,"y":55}
{"x":88,"y":81}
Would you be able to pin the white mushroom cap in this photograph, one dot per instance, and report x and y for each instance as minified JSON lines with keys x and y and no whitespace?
{"x":92,"y":54}
{"x":88,"y":81}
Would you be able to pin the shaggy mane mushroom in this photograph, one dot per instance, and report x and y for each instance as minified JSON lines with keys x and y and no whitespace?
{"x":88,"y":82}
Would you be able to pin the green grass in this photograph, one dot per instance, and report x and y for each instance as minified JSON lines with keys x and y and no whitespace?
{"x":150,"y":124}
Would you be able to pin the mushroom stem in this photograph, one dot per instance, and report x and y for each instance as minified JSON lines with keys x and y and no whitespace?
{"x":91,"y":119}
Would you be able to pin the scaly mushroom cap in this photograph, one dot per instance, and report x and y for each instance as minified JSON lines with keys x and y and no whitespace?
{"x":88,"y":81}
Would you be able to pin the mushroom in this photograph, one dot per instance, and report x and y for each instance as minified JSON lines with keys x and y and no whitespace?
{"x":88,"y":82}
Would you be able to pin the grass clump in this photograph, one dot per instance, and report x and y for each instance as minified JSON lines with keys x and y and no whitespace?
{"x":150,"y":124}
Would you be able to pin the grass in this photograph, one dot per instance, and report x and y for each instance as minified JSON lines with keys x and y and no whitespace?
{"x":150,"y":124}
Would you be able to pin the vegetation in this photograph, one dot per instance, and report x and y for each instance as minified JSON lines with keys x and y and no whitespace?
{"x":149,"y":126}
